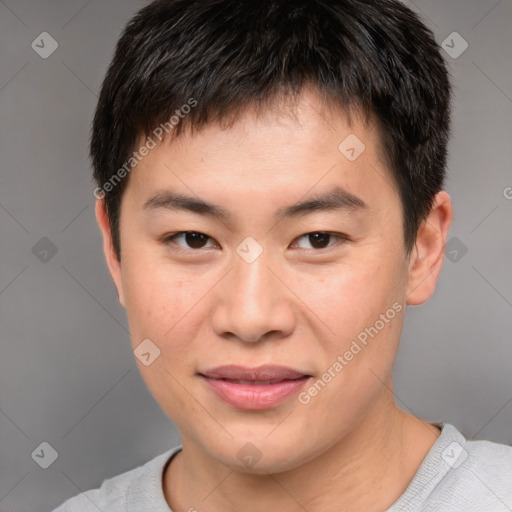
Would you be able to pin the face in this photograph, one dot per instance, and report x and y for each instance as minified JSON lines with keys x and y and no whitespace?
{"x":321,"y":291}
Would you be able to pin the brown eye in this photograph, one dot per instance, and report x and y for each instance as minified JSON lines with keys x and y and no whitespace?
{"x":193,"y":239}
{"x":321,"y":239}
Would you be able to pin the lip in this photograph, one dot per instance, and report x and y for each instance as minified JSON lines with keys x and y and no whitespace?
{"x":262,"y":387}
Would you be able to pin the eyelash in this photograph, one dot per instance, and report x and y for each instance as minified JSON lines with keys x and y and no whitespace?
{"x":169,"y":239}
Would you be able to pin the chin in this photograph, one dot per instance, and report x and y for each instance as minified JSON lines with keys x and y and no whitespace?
{"x":260,"y":456}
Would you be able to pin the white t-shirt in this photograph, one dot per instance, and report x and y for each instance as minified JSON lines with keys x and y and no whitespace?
{"x":455,"y":476}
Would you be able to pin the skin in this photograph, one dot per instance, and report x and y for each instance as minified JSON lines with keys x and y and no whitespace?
{"x":297,"y":305}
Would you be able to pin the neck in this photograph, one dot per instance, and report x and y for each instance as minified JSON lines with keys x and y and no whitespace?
{"x":368,"y":469}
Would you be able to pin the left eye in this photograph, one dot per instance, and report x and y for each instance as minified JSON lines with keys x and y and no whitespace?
{"x":321,"y":238}
{"x":197,"y":240}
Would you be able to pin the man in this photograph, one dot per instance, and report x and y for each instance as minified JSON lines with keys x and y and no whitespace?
{"x":270,"y":193}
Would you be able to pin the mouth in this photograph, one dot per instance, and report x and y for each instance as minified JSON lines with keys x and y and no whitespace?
{"x":259,"y":382}
{"x":265,"y":373}
{"x":258,"y":388}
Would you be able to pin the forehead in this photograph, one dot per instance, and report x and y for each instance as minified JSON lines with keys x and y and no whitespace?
{"x":287,"y":151}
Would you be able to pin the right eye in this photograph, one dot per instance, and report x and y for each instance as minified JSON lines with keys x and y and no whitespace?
{"x":194,"y":239}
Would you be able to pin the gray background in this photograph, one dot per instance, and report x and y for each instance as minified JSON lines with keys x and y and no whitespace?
{"x":67,"y":373}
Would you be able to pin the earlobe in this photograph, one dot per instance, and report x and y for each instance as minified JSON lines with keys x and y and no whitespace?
{"x":427,"y":255}
{"x":114,"y":265}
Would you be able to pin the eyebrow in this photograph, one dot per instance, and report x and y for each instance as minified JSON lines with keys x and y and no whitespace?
{"x":332,"y":200}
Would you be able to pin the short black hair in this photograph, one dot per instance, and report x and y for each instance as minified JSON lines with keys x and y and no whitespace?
{"x":213,"y":58}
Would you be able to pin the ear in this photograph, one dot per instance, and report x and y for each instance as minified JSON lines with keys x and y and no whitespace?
{"x":427,"y":256}
{"x":113,"y":263}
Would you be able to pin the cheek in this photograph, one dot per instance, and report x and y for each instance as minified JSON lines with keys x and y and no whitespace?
{"x":356,"y":290}
{"x":362,"y":306}
{"x":169,"y":309}
{"x":160,"y":308}
{"x":155,"y":299}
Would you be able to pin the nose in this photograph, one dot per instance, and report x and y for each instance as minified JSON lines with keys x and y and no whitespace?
{"x":254,"y":302}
